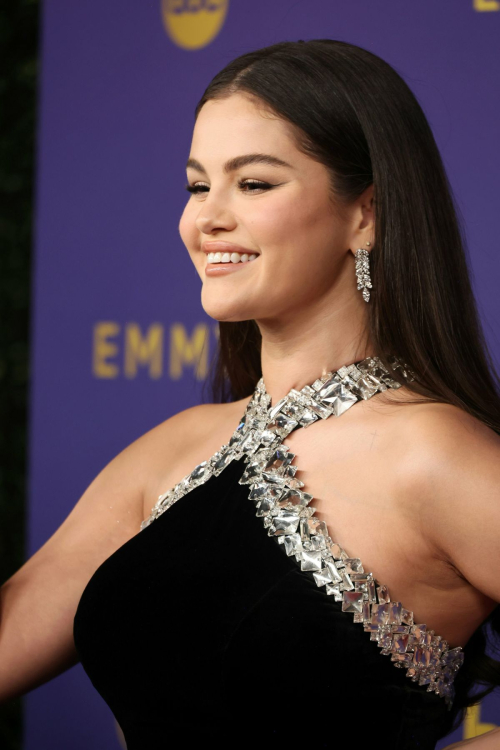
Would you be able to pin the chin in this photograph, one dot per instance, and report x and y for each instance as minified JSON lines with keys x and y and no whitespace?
{"x":220,"y":308}
{"x":224,"y":318}
{"x":226,"y":315}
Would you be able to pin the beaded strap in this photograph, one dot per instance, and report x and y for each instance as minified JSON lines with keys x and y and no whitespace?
{"x":289,"y":518}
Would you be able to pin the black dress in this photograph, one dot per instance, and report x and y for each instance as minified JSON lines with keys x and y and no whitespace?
{"x":200,"y":628}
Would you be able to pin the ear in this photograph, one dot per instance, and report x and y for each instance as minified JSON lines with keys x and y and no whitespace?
{"x":363,"y":221}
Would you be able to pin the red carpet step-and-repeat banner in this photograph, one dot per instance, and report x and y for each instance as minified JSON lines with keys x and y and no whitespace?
{"x":120,"y":340}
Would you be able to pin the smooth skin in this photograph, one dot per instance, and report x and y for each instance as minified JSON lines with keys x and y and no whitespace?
{"x":487,"y":741}
{"x":410,"y":489}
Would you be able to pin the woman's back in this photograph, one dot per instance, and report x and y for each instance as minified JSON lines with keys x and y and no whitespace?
{"x":215,"y":599}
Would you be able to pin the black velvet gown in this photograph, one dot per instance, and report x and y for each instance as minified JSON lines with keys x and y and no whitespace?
{"x":201,"y":629}
{"x":213,"y":625}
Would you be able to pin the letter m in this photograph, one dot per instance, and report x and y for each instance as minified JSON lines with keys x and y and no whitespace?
{"x":143,"y":350}
{"x":188,"y":351}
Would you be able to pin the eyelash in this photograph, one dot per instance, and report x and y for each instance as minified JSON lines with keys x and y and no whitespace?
{"x":241,"y":184}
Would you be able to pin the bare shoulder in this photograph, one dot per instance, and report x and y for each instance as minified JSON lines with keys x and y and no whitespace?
{"x":178,"y":444}
{"x":194,"y":423}
{"x":443,"y":441}
{"x":429,"y":426}
{"x":449,"y":466}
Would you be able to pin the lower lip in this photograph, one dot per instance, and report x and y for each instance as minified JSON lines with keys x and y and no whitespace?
{"x":221,"y":269}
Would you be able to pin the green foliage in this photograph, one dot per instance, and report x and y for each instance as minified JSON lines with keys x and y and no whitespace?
{"x":18,"y":44}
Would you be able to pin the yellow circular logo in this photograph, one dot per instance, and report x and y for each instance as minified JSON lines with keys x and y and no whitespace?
{"x":192,"y":24}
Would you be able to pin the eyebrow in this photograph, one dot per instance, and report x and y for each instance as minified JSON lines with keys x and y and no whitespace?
{"x":241,"y":161}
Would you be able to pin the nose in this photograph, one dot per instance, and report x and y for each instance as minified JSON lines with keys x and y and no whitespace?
{"x":211,"y":218}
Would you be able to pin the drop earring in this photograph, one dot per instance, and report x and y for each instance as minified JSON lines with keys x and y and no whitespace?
{"x":362,"y":268}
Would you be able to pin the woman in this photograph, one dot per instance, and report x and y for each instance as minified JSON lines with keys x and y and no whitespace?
{"x":322,"y":226}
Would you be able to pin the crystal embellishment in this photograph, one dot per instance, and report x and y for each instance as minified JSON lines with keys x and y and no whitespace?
{"x":288,"y":517}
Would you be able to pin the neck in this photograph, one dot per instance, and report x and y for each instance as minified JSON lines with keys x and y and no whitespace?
{"x":296,"y":354}
{"x":296,"y":362}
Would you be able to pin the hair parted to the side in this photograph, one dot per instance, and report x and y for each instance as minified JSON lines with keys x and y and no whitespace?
{"x":351,"y":110}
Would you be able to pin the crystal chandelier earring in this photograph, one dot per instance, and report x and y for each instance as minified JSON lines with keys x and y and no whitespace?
{"x":362,"y":267}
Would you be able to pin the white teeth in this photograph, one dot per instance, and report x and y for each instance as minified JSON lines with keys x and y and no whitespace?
{"x":230,"y":257}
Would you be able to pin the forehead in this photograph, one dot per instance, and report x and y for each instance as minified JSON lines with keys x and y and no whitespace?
{"x":237,"y":122}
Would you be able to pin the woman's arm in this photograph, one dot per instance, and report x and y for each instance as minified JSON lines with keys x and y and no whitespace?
{"x":38,"y":603}
{"x":453,"y":466}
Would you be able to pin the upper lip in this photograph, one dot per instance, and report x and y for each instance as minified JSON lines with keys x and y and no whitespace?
{"x":215,"y":246}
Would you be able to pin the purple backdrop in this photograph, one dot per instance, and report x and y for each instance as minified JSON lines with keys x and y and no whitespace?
{"x":117,"y":321}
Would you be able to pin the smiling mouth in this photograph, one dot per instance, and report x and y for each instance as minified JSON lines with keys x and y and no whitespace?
{"x":230,"y":258}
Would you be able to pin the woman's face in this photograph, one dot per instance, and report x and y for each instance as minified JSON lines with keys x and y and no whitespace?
{"x":302,"y":245}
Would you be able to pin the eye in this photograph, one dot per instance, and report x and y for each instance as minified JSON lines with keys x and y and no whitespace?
{"x":252,"y":184}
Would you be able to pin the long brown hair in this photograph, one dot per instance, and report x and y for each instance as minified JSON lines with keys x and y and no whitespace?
{"x":351,"y":111}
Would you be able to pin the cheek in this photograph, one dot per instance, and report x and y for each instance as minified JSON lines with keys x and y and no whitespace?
{"x":304,"y":242}
{"x":293,"y":223}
